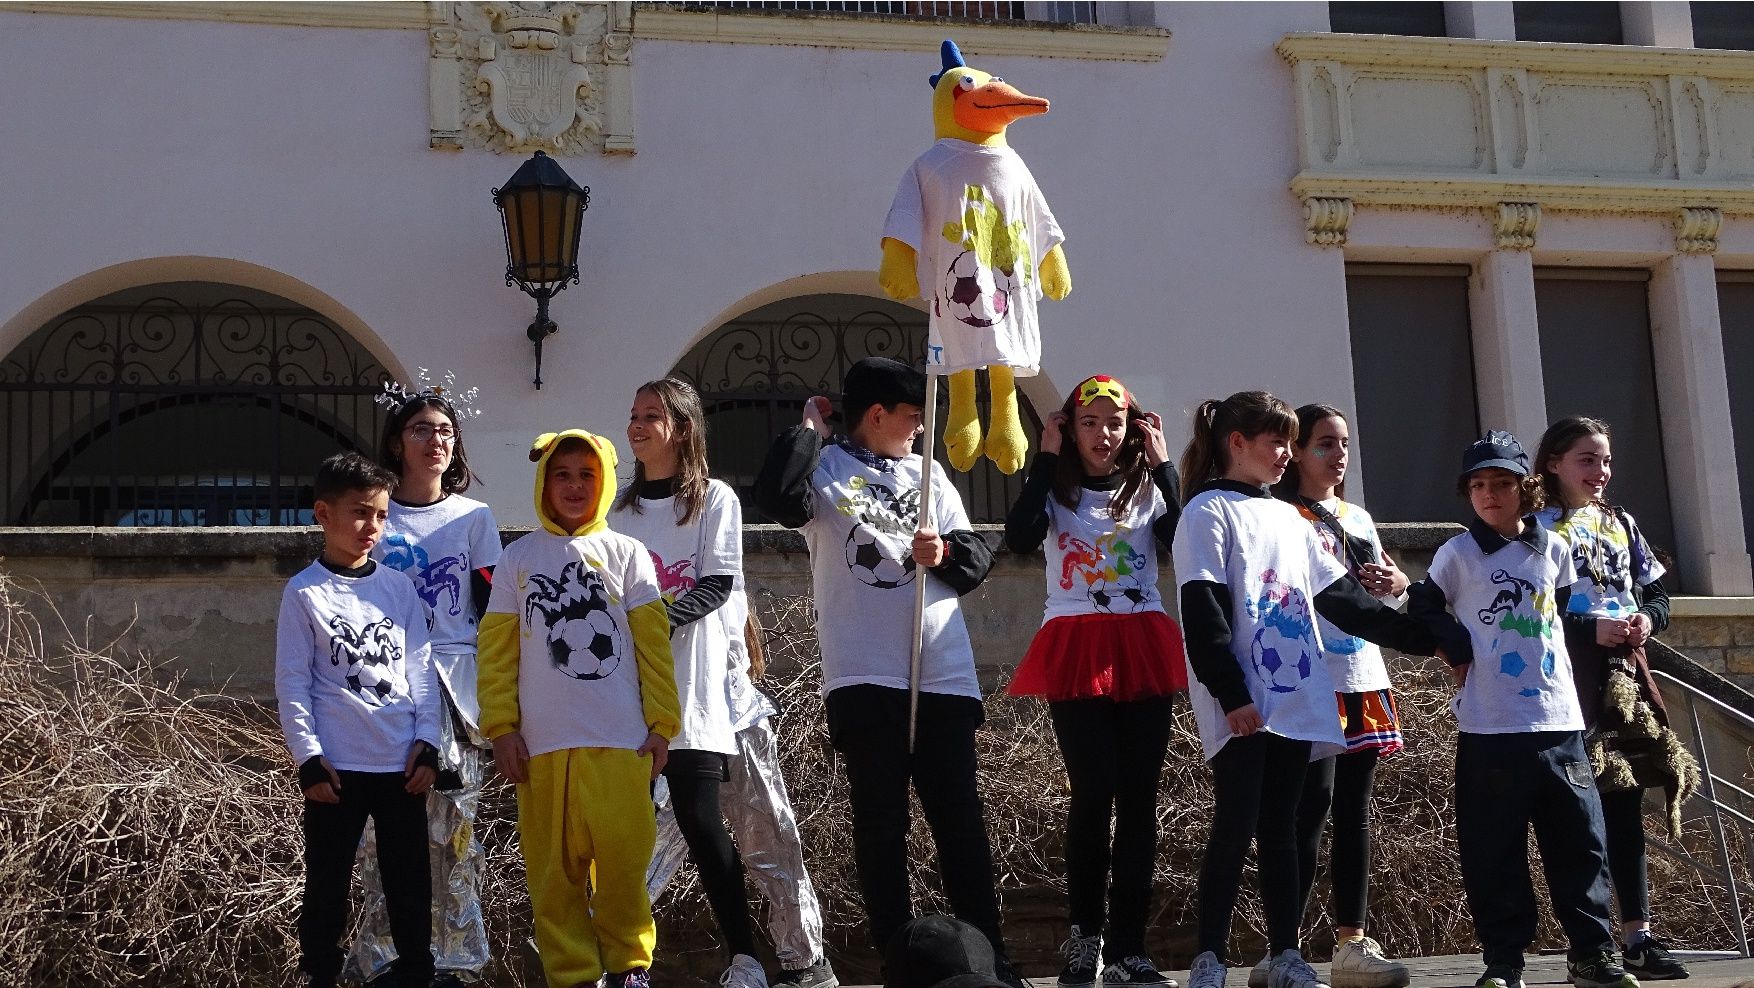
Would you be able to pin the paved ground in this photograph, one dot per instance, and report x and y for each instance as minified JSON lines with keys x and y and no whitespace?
{"x":1459,"y":971}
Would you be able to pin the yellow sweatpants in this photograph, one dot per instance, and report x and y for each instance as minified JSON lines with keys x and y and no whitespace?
{"x":586,"y":827}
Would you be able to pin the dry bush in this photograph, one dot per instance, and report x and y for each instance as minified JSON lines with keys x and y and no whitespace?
{"x":150,"y":836}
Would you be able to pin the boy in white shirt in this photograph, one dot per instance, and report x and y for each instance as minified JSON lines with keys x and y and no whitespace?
{"x":857,"y":501}
{"x":1520,"y":757}
{"x":360,"y":711}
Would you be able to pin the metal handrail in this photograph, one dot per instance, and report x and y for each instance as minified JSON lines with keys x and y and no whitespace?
{"x":1709,"y":783}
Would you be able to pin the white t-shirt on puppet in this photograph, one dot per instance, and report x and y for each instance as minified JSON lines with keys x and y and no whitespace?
{"x":439,"y":546}
{"x":1263,"y":551}
{"x":1355,"y":665}
{"x":862,"y":569}
{"x":710,"y":545}
{"x":1520,"y":680}
{"x":986,"y":228}
{"x":1097,"y":564}
{"x":1611,"y":559}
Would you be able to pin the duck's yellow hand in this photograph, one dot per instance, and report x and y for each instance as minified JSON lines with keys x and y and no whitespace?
{"x":897,"y":273}
{"x":1056,"y":277}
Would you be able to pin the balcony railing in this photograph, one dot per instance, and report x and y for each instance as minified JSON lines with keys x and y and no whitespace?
{"x":1057,"y":12}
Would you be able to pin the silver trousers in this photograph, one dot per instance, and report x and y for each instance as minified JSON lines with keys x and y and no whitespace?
{"x":760,"y":817}
{"x":459,"y":934}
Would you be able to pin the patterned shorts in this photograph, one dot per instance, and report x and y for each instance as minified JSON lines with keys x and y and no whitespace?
{"x":1370,"y":722}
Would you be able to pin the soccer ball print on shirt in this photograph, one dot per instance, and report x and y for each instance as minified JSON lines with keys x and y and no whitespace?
{"x":370,"y":655}
{"x":1109,"y":571}
{"x":879,"y":548}
{"x":1284,"y":648}
{"x":1523,"y":616}
{"x":435,"y":579}
{"x":585,"y":639}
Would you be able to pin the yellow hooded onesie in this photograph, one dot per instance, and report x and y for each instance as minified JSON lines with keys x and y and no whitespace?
{"x":574,"y":655}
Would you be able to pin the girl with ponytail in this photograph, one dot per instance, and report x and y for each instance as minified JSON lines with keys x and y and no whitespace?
{"x":1252,"y":577}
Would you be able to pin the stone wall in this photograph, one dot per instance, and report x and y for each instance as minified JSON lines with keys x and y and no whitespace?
{"x":203,"y":601}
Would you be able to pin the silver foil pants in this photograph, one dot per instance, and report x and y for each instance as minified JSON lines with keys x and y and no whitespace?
{"x":459,"y":934}
{"x":760,"y":817}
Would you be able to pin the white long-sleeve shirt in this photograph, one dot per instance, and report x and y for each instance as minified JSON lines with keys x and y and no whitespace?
{"x":353,"y":669}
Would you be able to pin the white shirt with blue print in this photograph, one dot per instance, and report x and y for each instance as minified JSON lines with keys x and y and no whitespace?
{"x":1611,"y":559}
{"x":1355,"y":665}
{"x":1520,"y":681}
{"x":1269,"y":559}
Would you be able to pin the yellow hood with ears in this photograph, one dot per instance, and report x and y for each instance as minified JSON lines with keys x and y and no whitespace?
{"x":603,"y":450}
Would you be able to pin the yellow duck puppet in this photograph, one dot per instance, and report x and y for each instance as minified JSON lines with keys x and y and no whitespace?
{"x":970,"y":231}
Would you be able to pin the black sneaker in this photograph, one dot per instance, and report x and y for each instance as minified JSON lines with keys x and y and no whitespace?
{"x":1649,"y":960}
{"x":1003,"y":970}
{"x":1135,"y":970}
{"x":1081,"y":959}
{"x":817,"y":975}
{"x":447,"y":979}
{"x":1597,"y":969}
{"x":1501,"y":976}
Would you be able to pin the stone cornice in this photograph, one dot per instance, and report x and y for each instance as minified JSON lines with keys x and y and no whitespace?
{"x":407,"y":15}
{"x":889,"y":33}
{"x":1471,"y":191}
{"x":1383,"y":50}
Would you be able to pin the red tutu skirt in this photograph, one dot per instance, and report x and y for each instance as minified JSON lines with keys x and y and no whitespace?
{"x":1118,"y":656}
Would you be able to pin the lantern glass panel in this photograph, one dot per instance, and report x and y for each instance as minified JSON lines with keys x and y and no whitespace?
{"x":541,"y":233}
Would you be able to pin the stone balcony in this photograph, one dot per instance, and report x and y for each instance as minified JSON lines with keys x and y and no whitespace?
{"x":1444,"y":122}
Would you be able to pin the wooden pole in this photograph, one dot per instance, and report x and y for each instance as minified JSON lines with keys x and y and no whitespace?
{"x":925,"y":519}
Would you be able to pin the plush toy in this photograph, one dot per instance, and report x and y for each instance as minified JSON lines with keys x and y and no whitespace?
{"x":970,"y":231}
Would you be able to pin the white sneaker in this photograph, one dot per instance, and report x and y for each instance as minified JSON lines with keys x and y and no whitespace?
{"x":1261,"y":974}
{"x":744,"y":972}
{"x":1206,"y":972}
{"x":1359,"y":963}
{"x":1290,"y":970}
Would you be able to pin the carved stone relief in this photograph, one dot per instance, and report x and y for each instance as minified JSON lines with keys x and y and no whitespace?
{"x":531,"y":76}
{"x":1325,"y":221}
{"x":1514,"y":225}
{"x":1696,"y":229}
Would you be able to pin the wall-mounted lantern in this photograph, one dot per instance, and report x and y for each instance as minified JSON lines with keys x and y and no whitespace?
{"x":542,"y":209}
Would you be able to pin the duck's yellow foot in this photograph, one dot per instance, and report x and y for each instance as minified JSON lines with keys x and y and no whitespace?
{"x":962,"y":430}
{"x":1007,"y":446}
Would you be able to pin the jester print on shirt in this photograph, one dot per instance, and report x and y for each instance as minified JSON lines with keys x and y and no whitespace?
{"x":585,"y":639}
{"x":993,"y":262}
{"x":1108,"y":571}
{"x":1523,"y":616}
{"x":434,"y":579}
{"x":673,"y":578}
{"x":370,"y":654}
{"x":1284,"y":649}
{"x":879,"y":548}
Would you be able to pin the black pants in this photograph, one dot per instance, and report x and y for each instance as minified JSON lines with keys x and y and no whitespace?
{"x":332,"y":832}
{"x":1623,"y":822}
{"x":1341,"y":783}
{"x":868,"y":726}
{"x":1114,"y":758}
{"x":1505,"y":783}
{"x":1256,"y":782}
{"x":695,"y":777}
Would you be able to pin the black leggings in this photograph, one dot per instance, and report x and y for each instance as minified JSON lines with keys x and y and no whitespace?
{"x":694,"y":778}
{"x":1623,"y":817}
{"x":1114,"y":758}
{"x":1342,"y":782}
{"x":1256,"y":781}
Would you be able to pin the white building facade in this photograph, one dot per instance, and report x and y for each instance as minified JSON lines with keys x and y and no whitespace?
{"x":227,"y":221}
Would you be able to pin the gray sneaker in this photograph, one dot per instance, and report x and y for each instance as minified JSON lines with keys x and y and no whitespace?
{"x":817,"y":975}
{"x":1290,"y":970}
{"x":1261,"y":975}
{"x":1207,"y":972}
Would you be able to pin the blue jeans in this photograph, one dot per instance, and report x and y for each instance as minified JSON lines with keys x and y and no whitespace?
{"x":1504,"y":784}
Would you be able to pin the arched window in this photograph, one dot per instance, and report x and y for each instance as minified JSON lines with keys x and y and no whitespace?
{"x":755,"y":372}
{"x":187,"y":403}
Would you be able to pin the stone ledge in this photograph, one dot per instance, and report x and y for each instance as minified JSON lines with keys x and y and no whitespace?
{"x":1703,"y":607}
{"x":377,"y":14}
{"x":879,"y":32}
{"x":1419,"y":536}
